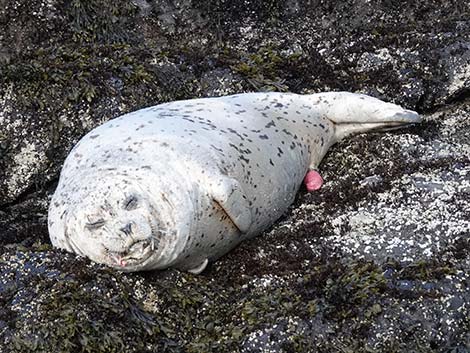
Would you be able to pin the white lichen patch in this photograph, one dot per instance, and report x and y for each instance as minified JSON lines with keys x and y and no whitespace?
{"x":266,"y":281}
{"x":272,"y":337}
{"x":5,"y":108}
{"x":420,"y":216}
{"x":458,"y":66}
{"x":28,"y":162}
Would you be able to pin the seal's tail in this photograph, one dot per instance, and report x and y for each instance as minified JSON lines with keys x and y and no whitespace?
{"x":356,"y":113}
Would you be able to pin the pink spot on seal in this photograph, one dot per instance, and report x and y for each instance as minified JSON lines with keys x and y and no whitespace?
{"x":313,"y":180}
{"x":120,"y":261}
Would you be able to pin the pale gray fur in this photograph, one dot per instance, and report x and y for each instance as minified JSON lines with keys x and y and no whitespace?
{"x":181,"y":183}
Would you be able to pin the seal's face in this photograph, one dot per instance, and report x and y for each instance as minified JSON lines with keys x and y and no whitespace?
{"x":116,"y":225}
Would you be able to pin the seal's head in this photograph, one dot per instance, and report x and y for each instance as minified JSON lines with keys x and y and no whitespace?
{"x":117,"y":221}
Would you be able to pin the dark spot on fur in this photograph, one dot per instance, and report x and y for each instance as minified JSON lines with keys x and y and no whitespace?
{"x":242,"y":158}
{"x":270,"y":124}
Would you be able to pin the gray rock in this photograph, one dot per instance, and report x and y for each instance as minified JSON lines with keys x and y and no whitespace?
{"x":377,"y":260}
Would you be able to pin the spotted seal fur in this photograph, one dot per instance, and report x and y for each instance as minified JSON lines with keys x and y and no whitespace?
{"x":181,"y":183}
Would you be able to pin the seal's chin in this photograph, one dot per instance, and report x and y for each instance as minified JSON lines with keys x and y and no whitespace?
{"x":134,"y":258}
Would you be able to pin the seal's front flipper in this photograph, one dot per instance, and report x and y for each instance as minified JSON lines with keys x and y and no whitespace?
{"x":199,"y":268}
{"x":230,"y":196}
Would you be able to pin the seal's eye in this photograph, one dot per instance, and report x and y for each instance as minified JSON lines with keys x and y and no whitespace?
{"x":130,"y":203}
{"x":95,"y":224}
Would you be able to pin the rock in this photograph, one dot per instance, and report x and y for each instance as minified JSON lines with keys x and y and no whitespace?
{"x":376,"y":260}
{"x":456,"y":62}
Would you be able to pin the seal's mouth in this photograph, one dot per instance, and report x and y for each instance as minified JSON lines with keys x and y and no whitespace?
{"x":136,"y":254}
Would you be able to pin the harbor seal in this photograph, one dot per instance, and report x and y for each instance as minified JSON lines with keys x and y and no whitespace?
{"x":181,"y":183}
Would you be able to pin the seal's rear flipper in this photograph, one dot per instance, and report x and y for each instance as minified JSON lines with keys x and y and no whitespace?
{"x":229,"y":195}
{"x":355,"y":113}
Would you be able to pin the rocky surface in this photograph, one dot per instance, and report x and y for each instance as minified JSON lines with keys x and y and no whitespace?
{"x":378,"y":260}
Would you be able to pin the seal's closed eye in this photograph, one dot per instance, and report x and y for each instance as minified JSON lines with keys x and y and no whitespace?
{"x":95,"y":224}
{"x":130,"y":203}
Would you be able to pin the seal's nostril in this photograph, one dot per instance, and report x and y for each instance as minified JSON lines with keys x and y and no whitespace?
{"x":127,"y":229}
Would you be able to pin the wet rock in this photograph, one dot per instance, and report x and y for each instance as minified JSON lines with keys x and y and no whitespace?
{"x":377,"y":260}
